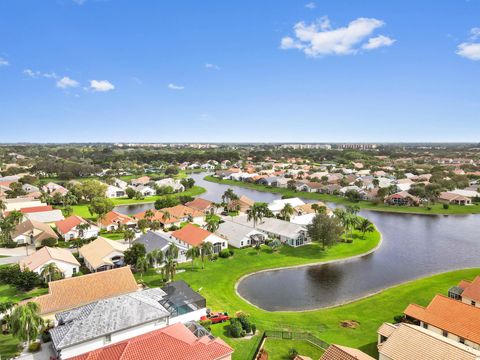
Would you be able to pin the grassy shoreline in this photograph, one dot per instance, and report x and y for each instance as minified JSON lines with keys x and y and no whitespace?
{"x":436,"y":209}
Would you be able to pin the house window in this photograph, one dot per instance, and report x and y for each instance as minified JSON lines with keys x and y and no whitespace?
{"x":74,"y":271}
{"x":444,"y":333}
{"x":425,"y":325}
{"x":108,"y":338}
{"x":473,"y":303}
{"x":462,"y":341}
{"x":241,"y":243}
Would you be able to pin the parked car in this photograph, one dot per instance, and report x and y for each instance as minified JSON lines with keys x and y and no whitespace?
{"x":216,"y":317}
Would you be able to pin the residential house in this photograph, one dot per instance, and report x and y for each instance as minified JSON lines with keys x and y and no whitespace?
{"x":114,"y":192}
{"x":277,"y":205}
{"x":77,"y":291}
{"x":63,"y":258}
{"x":203,"y":205}
{"x":145,"y":190}
{"x":402,"y":198}
{"x":112,"y":320}
{"x":120,"y":184}
{"x":239,"y":235}
{"x":281,"y":182}
{"x":160,"y":217}
{"x":268,"y":181}
{"x":69,"y":228}
{"x":20,"y":203}
{"x":448,"y":197}
{"x":450,"y":318}
{"x":339,"y":352}
{"x":408,"y":342}
{"x":162,"y":241}
{"x":113,"y":220}
{"x":51,"y":188}
{"x":49,"y":217}
{"x":191,"y":235}
{"x":287,"y":232}
{"x":404,"y":184}
{"x":185,"y":213}
{"x":32,"y":232}
{"x":28,"y":188}
{"x":143,"y":180}
{"x":181,"y":341}
{"x":242,"y":204}
{"x":467,"y":292}
{"x":176,"y":185}
{"x":103,"y":254}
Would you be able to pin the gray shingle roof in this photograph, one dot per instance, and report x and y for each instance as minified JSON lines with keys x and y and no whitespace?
{"x":234,"y":231}
{"x":153,"y":241}
{"x":108,"y":316}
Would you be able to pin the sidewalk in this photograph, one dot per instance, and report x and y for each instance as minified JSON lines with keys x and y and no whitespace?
{"x":18,"y":251}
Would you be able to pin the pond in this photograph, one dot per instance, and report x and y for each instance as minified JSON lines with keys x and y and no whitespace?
{"x":413,"y":246}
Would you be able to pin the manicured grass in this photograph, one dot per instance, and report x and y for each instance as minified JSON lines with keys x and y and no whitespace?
{"x":8,"y":346}
{"x":217,"y":284}
{"x":434,"y":209}
{"x":82,"y":210}
{"x":278,"y":349}
{"x":10,"y":293}
{"x":113,"y":235}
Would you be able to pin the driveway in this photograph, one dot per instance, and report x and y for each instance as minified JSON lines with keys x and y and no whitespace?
{"x":18,"y":251}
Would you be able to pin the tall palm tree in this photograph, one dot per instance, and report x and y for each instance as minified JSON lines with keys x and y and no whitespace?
{"x":229,"y":195}
{"x":193,"y":253}
{"x":129,"y":235}
{"x":172,"y":251}
{"x":50,"y":272}
{"x":213,"y":222}
{"x":319,"y":209}
{"x":155,"y":225}
{"x":351,"y":221}
{"x":3,"y":207}
{"x":25,"y":321}
{"x":257,"y":212}
{"x":155,"y":257}
{"x":166,"y":216}
{"x":149,"y":214}
{"x":287,"y":212}
{"x":365,"y":226}
{"x":82,"y":228}
{"x":142,"y":265}
{"x":169,"y":268}
{"x":206,"y":249}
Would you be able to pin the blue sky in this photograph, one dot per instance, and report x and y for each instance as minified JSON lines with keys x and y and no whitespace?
{"x":250,"y":70}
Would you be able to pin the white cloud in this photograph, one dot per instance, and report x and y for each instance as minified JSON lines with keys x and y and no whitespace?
{"x":37,"y":74}
{"x":212,"y":66}
{"x":310,"y":5}
{"x":3,"y":62}
{"x":66,"y":82}
{"x":101,"y":85}
{"x":320,"y":39}
{"x":379,"y":41}
{"x":469,"y":50}
{"x":175,"y":87}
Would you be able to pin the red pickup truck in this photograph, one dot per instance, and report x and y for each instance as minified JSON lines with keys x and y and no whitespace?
{"x":216,"y":317}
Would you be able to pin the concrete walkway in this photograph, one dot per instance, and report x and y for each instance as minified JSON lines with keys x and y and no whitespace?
{"x":17,"y":251}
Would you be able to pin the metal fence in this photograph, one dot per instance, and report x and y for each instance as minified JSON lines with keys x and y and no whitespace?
{"x":288,"y":335}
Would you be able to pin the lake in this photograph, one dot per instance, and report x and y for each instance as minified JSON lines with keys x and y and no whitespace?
{"x":413,"y":246}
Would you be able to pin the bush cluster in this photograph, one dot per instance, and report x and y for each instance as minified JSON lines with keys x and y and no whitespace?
{"x":23,"y":280}
{"x":226,"y":253}
{"x":241,"y":326}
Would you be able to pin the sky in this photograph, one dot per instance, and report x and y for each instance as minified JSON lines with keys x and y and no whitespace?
{"x":239,"y":71}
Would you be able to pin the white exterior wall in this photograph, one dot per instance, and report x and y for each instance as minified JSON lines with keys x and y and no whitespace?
{"x":65,"y":268}
{"x":383,"y":357}
{"x":469,"y":301}
{"x":108,"y":257}
{"x":191,"y":316}
{"x":73,"y":234}
{"x":115,"y":338}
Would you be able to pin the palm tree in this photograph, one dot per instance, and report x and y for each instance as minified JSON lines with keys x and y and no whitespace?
{"x":50,"y":272}
{"x":193,"y":253}
{"x":353,"y":209}
{"x":213,"y":222}
{"x":206,"y":249}
{"x":155,"y":257}
{"x":169,"y":268}
{"x":25,"y":322}
{"x":351,"y":221}
{"x":229,"y":195}
{"x":155,"y":225}
{"x":129,"y":235}
{"x":257,"y":212}
{"x":149,"y":214}
{"x":166,"y":216}
{"x":319,"y":209}
{"x":3,"y":206}
{"x":172,"y":251}
{"x":287,"y":212}
{"x":142,"y":265}
{"x":365,"y":226}
{"x":275,"y":244}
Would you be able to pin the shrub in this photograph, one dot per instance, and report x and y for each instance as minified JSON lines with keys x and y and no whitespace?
{"x":46,"y":337}
{"x":34,"y":346}
{"x":235,"y":328}
{"x":245,"y":321}
{"x":207,"y":324}
{"x":213,"y":257}
{"x":231,"y":252}
{"x":49,"y":242}
{"x":254,"y":328}
{"x":446,"y":206}
{"x":224,"y":254}
{"x":292,"y":353}
{"x":398,"y":318}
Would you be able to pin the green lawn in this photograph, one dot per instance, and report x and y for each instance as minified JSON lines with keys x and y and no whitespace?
{"x":434,"y":209}
{"x":82,"y":210}
{"x":8,"y":346}
{"x":278,"y":349}
{"x":217,"y":284}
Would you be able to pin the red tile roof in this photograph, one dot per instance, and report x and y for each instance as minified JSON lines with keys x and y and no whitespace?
{"x":35,"y":209}
{"x":157,"y":216}
{"x":64,"y":226}
{"x":115,"y":217}
{"x":191,"y":234}
{"x":450,"y":315}
{"x":199,"y":204}
{"x":471,"y":290}
{"x":174,"y":342}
